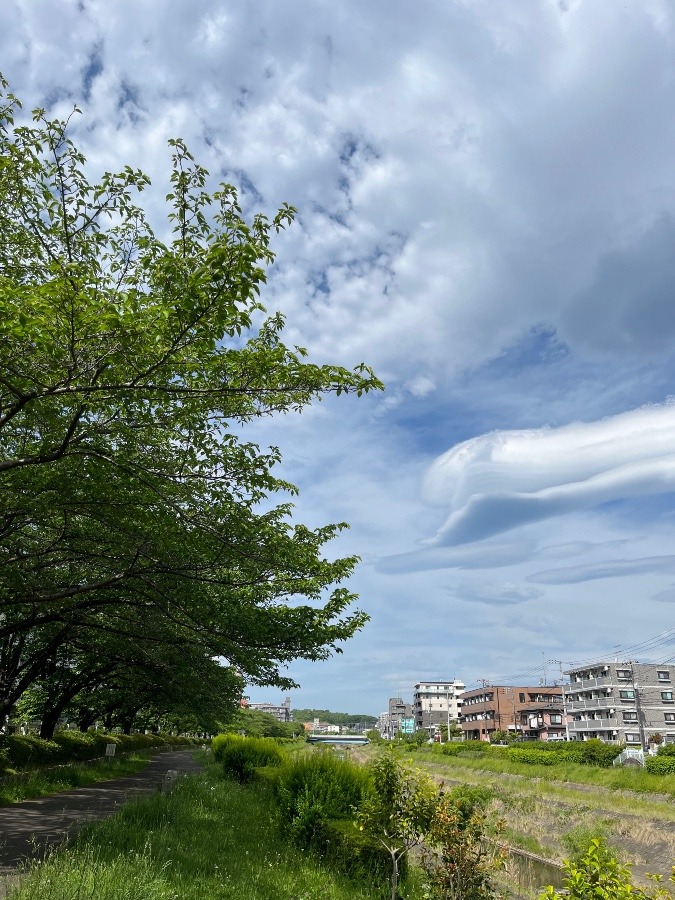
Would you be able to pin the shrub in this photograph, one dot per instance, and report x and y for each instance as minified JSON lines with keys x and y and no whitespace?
{"x":241,"y":756}
{"x":661,"y":765}
{"x":458,"y":857}
{"x":666,"y":750}
{"x":317,"y":787}
{"x":30,"y":751}
{"x":597,"y":873}
{"x":596,"y":753}
{"x":533,"y":756}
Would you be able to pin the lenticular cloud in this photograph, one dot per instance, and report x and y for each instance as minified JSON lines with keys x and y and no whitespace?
{"x":504,"y":479}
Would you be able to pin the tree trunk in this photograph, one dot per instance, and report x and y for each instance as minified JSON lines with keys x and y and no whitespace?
{"x":50,"y":719}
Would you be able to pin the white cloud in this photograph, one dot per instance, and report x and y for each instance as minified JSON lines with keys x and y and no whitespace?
{"x":611,"y":568}
{"x":486,"y":197}
{"x":502,"y":480}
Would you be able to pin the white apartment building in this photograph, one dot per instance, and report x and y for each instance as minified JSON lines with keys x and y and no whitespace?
{"x":437,"y":703}
{"x":621,"y":702}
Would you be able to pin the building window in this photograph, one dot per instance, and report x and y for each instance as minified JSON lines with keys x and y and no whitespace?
{"x":623,"y":673}
{"x":556,"y":720}
{"x":632,"y":738}
{"x":663,"y":676}
{"x":667,"y":696}
{"x":630,"y":717}
{"x":628,"y":695}
{"x":521,"y":698}
{"x":669,"y":717}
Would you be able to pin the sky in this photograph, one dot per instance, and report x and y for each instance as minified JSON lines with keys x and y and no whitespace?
{"x":486,"y":215}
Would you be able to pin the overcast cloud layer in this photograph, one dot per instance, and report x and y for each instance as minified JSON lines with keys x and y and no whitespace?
{"x":486,"y":199}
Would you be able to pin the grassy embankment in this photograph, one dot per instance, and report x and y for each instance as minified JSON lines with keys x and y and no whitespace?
{"x":43,"y":782}
{"x":208,"y":838}
{"x":551,"y":810}
{"x":31,"y":767}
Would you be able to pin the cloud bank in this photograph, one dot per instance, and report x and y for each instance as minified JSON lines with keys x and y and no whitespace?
{"x":499,"y":481}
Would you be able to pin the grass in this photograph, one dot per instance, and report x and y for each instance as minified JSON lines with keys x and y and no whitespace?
{"x":616,"y":779}
{"x":43,"y":782}
{"x":207,"y":838}
{"x":548,"y":809}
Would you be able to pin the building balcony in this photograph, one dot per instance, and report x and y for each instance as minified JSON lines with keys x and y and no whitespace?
{"x":595,"y":725}
{"x":589,"y":682}
{"x":594,"y":703}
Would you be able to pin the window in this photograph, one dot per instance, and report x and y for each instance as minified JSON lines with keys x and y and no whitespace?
{"x":632,"y":738}
{"x":628,"y":695}
{"x":669,"y":717}
{"x":663,"y":676}
{"x":556,"y":719}
{"x":667,"y":696}
{"x":623,"y":673}
{"x":630,"y":717}
{"x":521,"y":698}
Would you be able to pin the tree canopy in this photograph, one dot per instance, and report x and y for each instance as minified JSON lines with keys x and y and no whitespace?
{"x":132,"y":513}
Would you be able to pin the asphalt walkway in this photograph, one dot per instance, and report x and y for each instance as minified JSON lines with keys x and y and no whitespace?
{"x":29,"y":828}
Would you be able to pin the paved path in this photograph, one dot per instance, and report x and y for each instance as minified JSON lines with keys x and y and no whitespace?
{"x":28,"y":828}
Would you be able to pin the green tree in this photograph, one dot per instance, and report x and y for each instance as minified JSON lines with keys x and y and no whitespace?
{"x":400,"y":811}
{"x":127,"y":366}
{"x":459,"y":857}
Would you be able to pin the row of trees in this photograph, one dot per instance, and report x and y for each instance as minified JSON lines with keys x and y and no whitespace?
{"x":140,"y":542}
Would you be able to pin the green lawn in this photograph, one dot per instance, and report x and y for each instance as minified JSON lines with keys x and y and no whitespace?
{"x":209,"y":838}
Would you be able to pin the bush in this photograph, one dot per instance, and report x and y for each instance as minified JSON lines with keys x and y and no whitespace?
{"x":317,"y":787}
{"x":533,"y":756}
{"x":240,"y":756}
{"x":29,"y":751}
{"x":666,"y":750}
{"x":661,"y":765}
{"x":596,"y":753}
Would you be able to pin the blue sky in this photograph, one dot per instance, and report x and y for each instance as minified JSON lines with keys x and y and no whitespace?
{"x":486,"y":198}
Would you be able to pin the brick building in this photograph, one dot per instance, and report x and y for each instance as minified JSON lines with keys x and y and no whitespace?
{"x":535,"y":712}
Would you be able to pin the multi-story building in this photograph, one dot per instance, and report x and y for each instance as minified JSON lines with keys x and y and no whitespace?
{"x":622,"y":702}
{"x":397,"y":718}
{"x":282,"y":713}
{"x":437,"y":703}
{"x":530,"y":711}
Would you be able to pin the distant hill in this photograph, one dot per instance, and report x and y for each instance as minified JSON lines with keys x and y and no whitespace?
{"x":332,"y":718}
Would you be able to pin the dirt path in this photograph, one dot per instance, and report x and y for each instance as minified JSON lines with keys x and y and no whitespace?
{"x":27,"y":829}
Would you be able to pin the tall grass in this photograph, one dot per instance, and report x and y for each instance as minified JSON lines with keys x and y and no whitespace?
{"x":208,"y":838}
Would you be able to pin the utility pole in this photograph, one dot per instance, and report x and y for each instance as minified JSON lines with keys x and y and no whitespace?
{"x":638,"y":708}
{"x":484,"y":682}
{"x":564,"y":700}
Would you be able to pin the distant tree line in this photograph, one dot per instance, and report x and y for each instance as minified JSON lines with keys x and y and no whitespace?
{"x":332,"y":718}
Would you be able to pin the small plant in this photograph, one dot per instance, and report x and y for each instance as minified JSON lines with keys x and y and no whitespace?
{"x":596,"y":874}
{"x":400,"y":812}
{"x":459,"y":858}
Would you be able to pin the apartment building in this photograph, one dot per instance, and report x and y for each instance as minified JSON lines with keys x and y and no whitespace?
{"x":535,"y":712}
{"x":282,"y":712}
{"x":397,"y":718}
{"x":622,"y":702}
{"x":437,"y":703}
